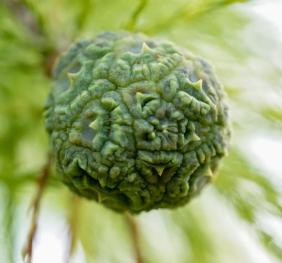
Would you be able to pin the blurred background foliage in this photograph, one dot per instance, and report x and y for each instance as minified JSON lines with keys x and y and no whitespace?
{"x":237,"y":219}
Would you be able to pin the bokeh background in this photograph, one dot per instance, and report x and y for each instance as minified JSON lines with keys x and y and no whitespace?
{"x":237,"y":219}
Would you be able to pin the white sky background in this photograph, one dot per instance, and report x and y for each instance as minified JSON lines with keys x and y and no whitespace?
{"x":49,"y":245}
{"x":265,"y":147}
{"x":270,"y":10}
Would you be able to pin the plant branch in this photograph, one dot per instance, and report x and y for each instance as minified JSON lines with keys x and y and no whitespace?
{"x":189,"y":11}
{"x":131,"y":24}
{"x":33,"y":21}
{"x":35,"y":206}
{"x":83,"y":15}
{"x":27,"y":16}
{"x":134,"y":231}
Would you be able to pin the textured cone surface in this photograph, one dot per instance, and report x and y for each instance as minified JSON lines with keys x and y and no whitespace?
{"x":135,"y":123}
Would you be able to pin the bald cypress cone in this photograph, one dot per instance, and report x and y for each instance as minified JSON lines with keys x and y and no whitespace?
{"x":136,"y":123}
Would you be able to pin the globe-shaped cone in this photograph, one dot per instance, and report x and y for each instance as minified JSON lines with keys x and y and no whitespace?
{"x":135,"y":123}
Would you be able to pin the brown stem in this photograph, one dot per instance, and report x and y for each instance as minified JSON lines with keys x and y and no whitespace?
{"x":134,"y":231}
{"x":35,"y":206}
{"x":49,"y":61}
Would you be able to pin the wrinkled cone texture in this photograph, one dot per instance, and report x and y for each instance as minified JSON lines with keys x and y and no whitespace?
{"x":136,"y":123}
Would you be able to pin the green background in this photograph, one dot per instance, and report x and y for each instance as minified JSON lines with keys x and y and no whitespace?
{"x":237,"y":219}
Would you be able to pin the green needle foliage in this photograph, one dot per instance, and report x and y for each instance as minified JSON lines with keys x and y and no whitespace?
{"x":237,"y":219}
